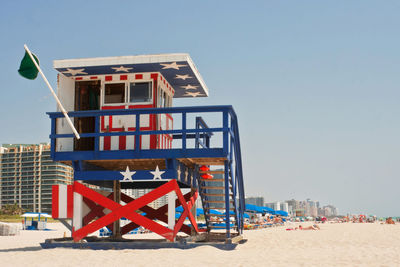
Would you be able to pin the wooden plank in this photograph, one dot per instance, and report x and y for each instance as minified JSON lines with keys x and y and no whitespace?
{"x":212,"y":180}
{"x":217,"y":201}
{"x":214,"y":187}
{"x":217,"y":215}
{"x":214,"y":195}
{"x":212,"y":172}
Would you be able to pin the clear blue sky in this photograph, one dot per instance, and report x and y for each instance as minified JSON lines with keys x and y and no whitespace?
{"x":315,"y":83}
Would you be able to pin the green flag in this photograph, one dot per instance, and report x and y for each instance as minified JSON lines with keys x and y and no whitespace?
{"x":27,"y":68}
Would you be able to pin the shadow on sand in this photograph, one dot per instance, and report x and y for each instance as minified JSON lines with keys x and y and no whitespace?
{"x":36,"y":248}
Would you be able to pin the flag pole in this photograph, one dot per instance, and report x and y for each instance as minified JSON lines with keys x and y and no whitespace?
{"x":53,"y":93}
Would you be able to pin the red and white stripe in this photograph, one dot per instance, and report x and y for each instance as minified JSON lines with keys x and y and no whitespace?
{"x":63,"y":205}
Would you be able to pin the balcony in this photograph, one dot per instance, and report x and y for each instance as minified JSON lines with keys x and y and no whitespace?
{"x":189,"y":141}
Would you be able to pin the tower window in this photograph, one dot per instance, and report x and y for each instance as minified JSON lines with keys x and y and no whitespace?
{"x":114,"y":93}
{"x":140,"y":92}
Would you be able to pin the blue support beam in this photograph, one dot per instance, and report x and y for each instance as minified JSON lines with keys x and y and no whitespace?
{"x":139,"y":175}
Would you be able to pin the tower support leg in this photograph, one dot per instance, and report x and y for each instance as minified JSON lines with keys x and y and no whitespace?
{"x":117,"y":199}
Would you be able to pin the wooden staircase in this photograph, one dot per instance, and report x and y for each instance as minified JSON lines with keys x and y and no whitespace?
{"x":215,"y":196}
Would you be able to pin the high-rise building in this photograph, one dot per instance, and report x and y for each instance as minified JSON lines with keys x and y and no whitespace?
{"x":136,"y":193}
{"x":27,"y":174}
{"x":259,"y":201}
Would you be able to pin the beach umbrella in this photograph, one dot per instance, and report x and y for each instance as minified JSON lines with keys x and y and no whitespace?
{"x":281,"y":212}
{"x":199,"y":211}
{"x":254,"y":208}
{"x":215,"y":212}
{"x":179,"y":209}
{"x":245,"y":215}
{"x":268,"y":210}
{"x":30,"y":215}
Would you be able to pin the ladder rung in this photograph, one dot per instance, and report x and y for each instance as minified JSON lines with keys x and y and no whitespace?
{"x":217,"y":227}
{"x":214,"y":195}
{"x":212,"y":180}
{"x":207,"y":208}
{"x":212,"y":172}
{"x":221,"y":227}
{"x":215,"y":187}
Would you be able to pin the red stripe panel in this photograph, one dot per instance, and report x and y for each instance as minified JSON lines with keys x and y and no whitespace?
{"x":122,"y":143}
{"x":107,"y":142}
{"x":78,"y":78}
{"x":139,"y":76}
{"x":108,"y":78}
{"x":70,"y":201}
{"x":54,"y":207}
{"x":123,"y":77}
{"x":93,"y":77}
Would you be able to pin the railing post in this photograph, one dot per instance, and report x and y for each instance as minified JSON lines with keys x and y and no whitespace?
{"x":197,"y":140}
{"x":227,"y":201}
{"x":96,"y":138}
{"x":183,"y":130}
{"x":137,"y":137}
{"x":225,"y":125}
{"x":53,"y":139}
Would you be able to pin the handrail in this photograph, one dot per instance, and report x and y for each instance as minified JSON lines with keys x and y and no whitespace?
{"x":171,"y":110}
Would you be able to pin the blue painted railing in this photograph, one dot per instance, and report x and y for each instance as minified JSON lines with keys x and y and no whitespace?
{"x":229,"y":147}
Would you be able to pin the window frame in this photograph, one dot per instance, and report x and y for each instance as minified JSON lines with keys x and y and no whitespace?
{"x":128,"y":100}
{"x":103,"y":95}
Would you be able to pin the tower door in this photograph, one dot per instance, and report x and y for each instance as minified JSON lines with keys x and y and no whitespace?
{"x":87,"y":97}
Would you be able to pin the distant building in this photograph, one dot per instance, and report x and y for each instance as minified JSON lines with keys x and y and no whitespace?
{"x":136,"y":193}
{"x":259,"y":201}
{"x":27,"y":174}
{"x":274,"y":205}
{"x":285,"y":206}
{"x":309,"y":208}
{"x":329,"y":211}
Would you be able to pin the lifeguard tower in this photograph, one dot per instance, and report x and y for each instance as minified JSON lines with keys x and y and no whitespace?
{"x":133,"y":138}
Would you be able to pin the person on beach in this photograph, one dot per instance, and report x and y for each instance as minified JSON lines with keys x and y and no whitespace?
{"x":312,"y":227}
{"x":389,"y":220}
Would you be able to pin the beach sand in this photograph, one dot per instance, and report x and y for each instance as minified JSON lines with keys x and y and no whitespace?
{"x":347,"y":244}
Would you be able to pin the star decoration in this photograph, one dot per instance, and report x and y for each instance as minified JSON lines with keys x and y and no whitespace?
{"x":172,"y":65}
{"x":189,"y":87}
{"x":157,"y":174}
{"x":192,"y":94}
{"x":74,"y":72}
{"x":121,"y":68}
{"x":127,"y":175}
{"x":183,"y":77}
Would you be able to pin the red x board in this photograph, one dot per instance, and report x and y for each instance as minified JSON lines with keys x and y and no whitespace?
{"x":129,"y":210}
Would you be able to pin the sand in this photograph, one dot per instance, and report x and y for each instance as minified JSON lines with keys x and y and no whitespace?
{"x":347,"y":244}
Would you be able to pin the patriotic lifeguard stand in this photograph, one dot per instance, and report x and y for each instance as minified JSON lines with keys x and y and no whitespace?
{"x":132,"y":138}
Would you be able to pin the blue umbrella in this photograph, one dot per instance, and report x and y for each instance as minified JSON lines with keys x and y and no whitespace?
{"x":268,"y":210}
{"x":281,"y":212}
{"x":179,"y":209}
{"x":215,"y":212}
{"x":199,"y":211}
